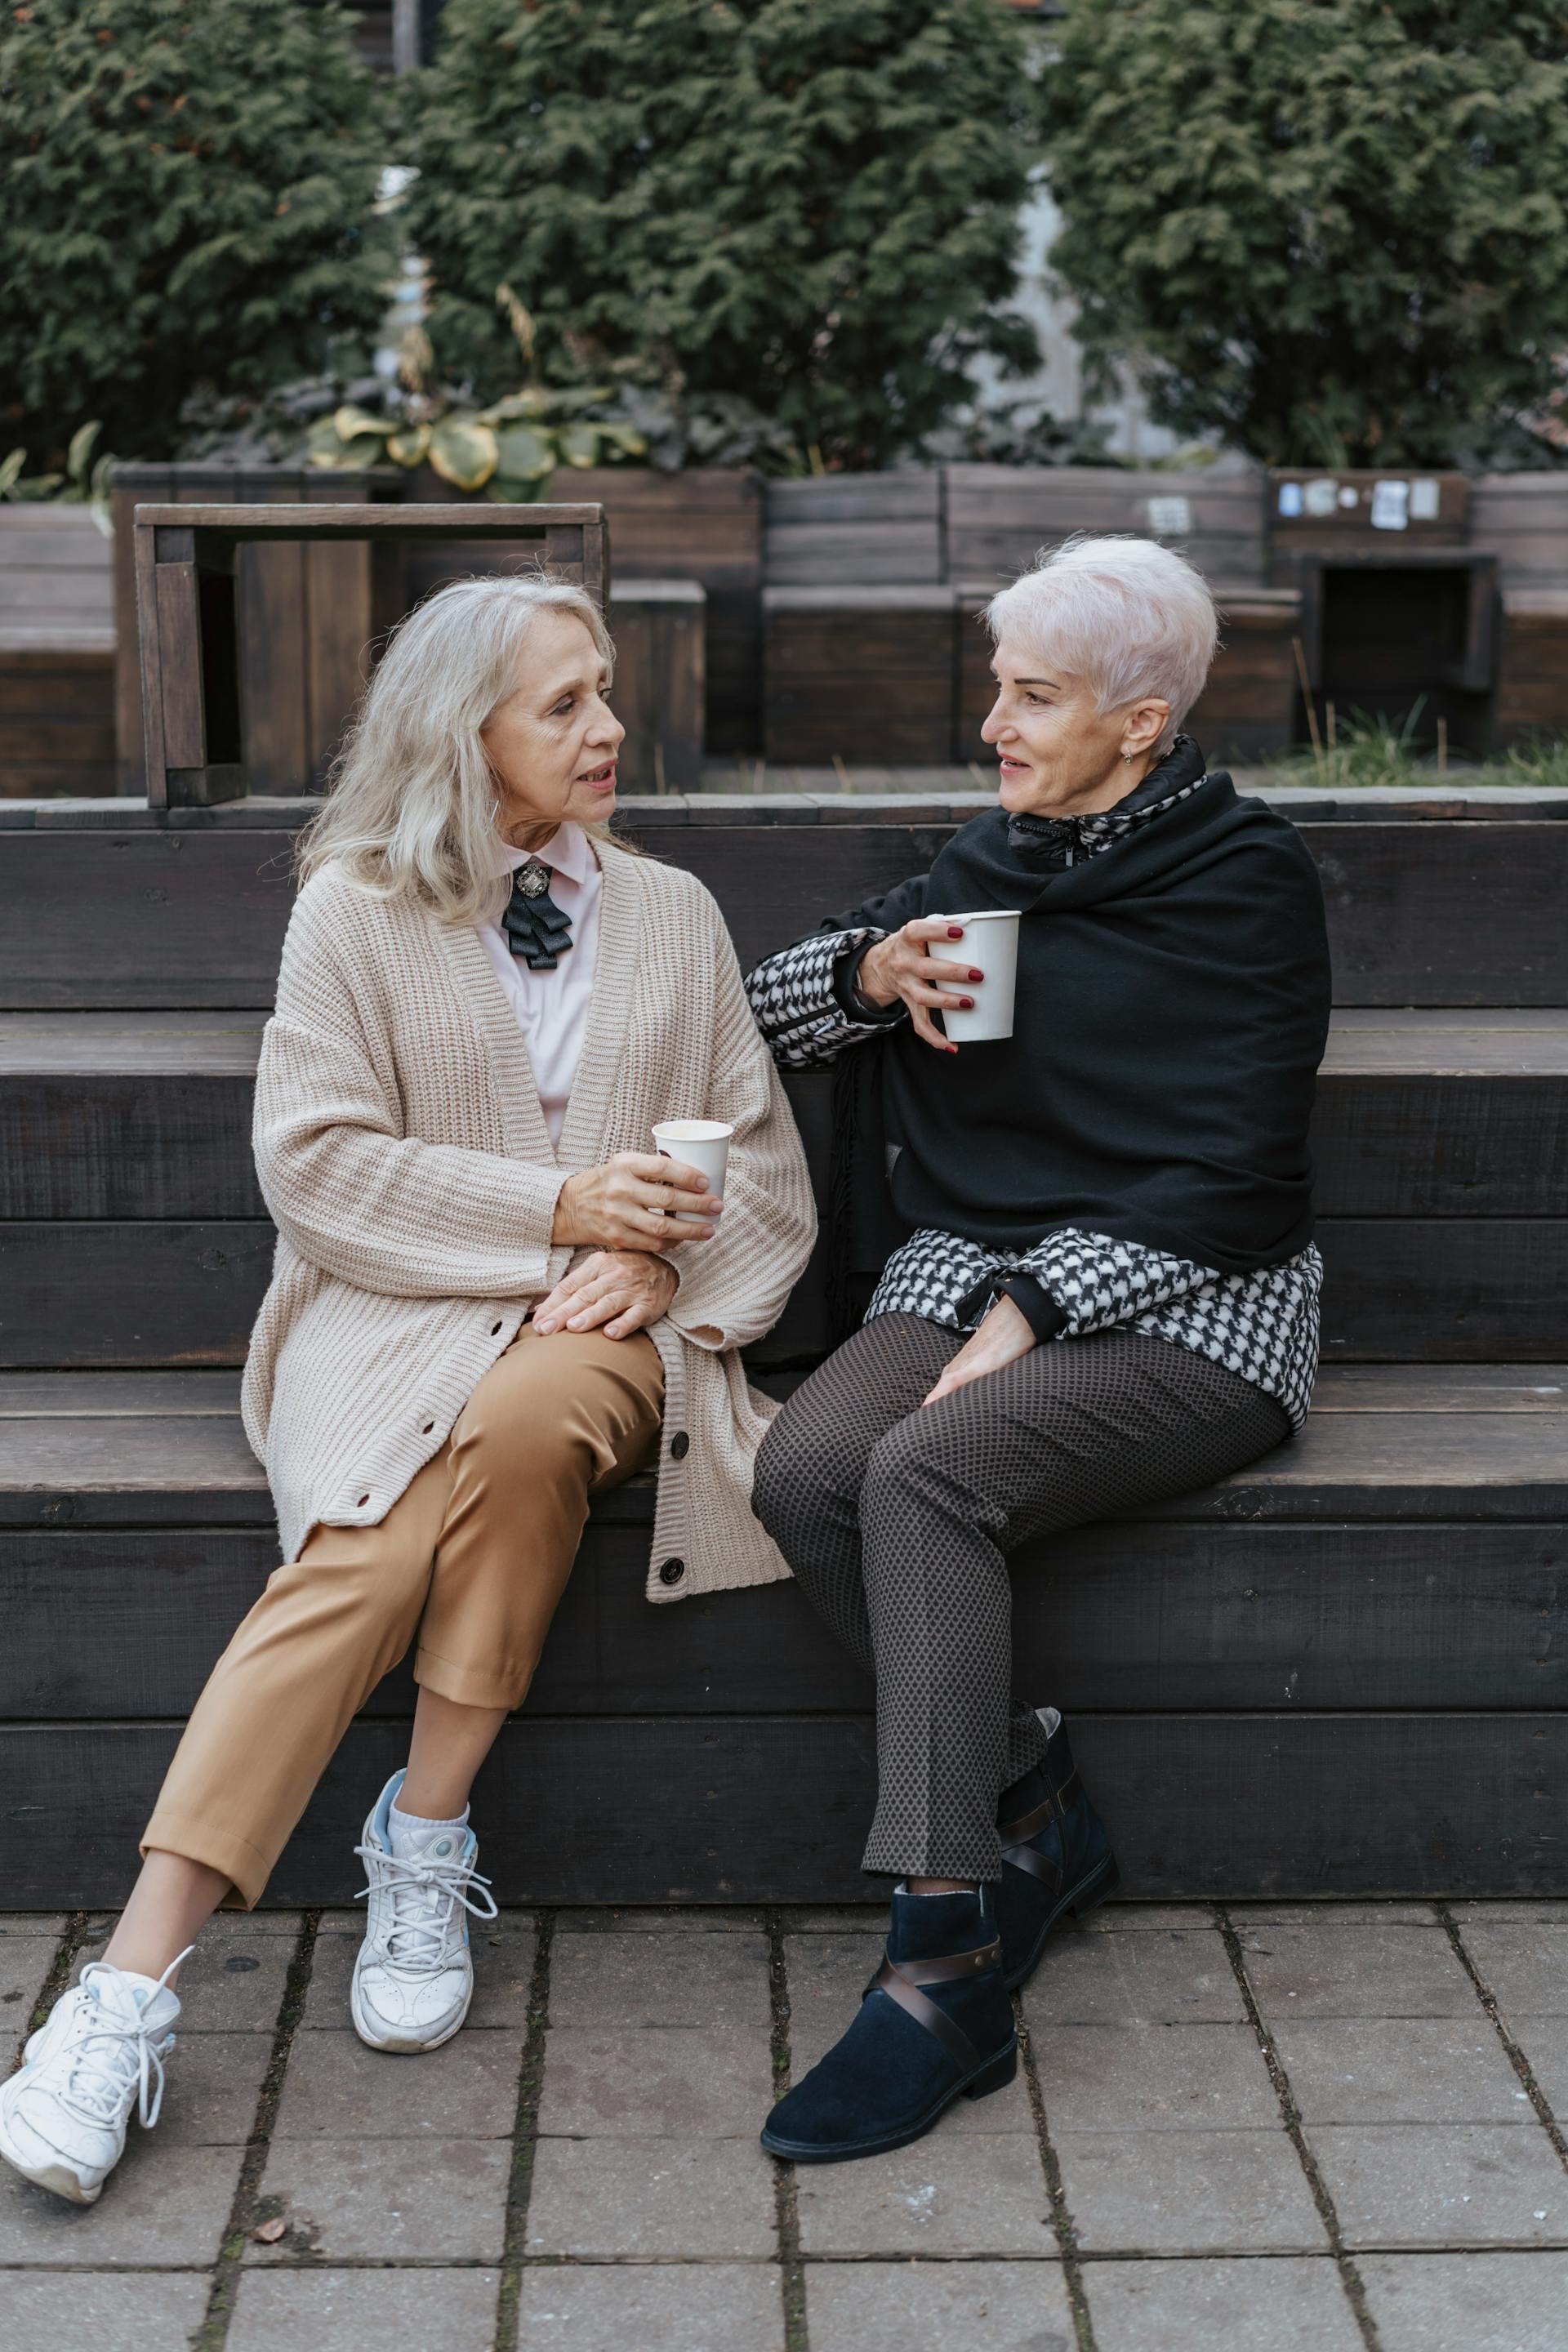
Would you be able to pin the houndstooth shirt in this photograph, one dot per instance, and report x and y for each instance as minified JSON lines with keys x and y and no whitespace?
{"x":1262,"y":1325}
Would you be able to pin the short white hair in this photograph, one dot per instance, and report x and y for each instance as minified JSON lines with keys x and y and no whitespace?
{"x":1126,"y":616}
{"x":412,"y":798}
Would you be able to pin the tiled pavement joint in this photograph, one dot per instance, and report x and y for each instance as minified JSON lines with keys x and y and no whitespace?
{"x":525,"y":2138}
{"x":1061,"y":2218}
{"x":1349,"y":2276}
{"x":244,"y":2213}
{"x":785,"y":2203}
{"x":62,"y":1968}
{"x":1516,"y":2057}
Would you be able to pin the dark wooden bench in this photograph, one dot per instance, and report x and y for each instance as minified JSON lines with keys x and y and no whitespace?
{"x":1339,"y":1672}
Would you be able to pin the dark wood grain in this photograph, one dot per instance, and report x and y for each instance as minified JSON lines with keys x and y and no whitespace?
{"x":111,"y":1292}
{"x":1119,"y":1615}
{"x":63,"y":1466}
{"x":1439,"y":915}
{"x":858,"y":674}
{"x":738,"y":1809}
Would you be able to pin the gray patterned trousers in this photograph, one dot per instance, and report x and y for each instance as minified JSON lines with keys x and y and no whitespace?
{"x":897,"y":1519}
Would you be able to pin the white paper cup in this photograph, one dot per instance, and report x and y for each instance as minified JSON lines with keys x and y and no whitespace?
{"x":991,"y":938}
{"x":701,"y":1143}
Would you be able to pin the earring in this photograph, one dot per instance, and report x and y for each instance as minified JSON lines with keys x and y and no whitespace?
{"x":1127,"y":759}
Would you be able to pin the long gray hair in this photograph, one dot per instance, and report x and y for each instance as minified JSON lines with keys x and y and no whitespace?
{"x":412,"y":796}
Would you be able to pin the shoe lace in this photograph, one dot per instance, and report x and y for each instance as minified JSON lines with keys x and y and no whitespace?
{"x":424,"y":1892}
{"x":116,"y":2053}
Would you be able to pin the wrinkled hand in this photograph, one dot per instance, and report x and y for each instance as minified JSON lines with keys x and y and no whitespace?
{"x":901,"y":965}
{"x":621,"y":1206}
{"x":1002,"y":1338}
{"x":621,"y":1291}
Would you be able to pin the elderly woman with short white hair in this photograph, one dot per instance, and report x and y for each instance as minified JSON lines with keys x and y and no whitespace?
{"x":490,"y":1298}
{"x":1095,"y":1284}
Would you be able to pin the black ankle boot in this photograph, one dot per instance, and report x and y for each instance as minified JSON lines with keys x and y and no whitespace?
{"x":1055,"y":1857}
{"x":934,"y":2022}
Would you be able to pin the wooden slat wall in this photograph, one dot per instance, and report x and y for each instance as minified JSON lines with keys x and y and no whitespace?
{"x":1419,"y":914}
{"x":169,"y":1136}
{"x":998,"y":517}
{"x":1523,"y":520}
{"x":57,"y":723}
{"x":1532,"y":663}
{"x":1217,"y":1805}
{"x":858,"y":674}
{"x":1380,"y":1614}
{"x":870,"y":529}
{"x":660,"y":673}
{"x":56,"y":583}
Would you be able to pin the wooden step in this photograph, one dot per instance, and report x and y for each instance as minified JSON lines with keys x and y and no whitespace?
{"x":1424,"y":1114}
{"x":131,"y":1231}
{"x":102,"y":908}
{"x":1361,"y":1635}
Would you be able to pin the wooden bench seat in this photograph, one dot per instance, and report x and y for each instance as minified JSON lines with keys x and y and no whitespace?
{"x":1333,"y":1671}
{"x":132,"y":1233}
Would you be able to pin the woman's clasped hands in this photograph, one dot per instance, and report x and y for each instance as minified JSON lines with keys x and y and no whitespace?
{"x":628,"y":1211}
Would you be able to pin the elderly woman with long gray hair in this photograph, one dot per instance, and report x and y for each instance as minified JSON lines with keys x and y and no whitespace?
{"x":490,"y":1297}
{"x":1090,"y":1235}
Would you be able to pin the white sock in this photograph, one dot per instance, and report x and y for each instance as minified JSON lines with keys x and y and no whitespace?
{"x":409,"y":1829}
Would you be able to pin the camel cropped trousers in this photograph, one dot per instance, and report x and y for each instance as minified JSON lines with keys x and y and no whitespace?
{"x":468,"y":1565}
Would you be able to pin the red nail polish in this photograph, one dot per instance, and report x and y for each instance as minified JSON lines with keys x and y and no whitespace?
{"x":977,"y":975}
{"x":967,"y":1003}
{"x":955,"y":930}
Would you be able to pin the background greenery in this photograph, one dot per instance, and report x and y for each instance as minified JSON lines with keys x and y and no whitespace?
{"x":808,"y":203}
{"x":186,"y":192}
{"x":781,"y":233}
{"x":1331,"y":231}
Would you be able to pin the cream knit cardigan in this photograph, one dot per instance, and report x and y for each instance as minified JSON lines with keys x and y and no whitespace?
{"x":405,"y":1157}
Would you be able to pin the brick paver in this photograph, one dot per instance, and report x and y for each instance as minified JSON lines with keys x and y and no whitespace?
{"x":1275,"y":2127}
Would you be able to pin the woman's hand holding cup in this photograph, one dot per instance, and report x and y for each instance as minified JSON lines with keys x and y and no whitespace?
{"x":903,"y":966}
{"x":636,"y":1200}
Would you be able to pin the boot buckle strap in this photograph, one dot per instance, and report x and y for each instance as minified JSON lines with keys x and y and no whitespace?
{"x":1054,"y":1808}
{"x":1037,"y":1865}
{"x":891,"y":1979}
{"x":947,"y":1968}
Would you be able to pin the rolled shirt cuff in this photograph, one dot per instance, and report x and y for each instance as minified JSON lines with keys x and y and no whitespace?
{"x":1046,"y":1316}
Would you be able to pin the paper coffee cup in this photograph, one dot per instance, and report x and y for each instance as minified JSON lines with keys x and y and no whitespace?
{"x":991,"y":938}
{"x":700,"y":1143}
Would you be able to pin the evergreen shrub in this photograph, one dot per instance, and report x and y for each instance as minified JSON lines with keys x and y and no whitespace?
{"x":811,"y":204}
{"x":186,"y":192}
{"x":1334,"y":232}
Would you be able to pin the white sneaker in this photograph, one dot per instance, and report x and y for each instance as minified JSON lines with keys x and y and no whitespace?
{"x":99,"y":2053}
{"x":413,"y":1978}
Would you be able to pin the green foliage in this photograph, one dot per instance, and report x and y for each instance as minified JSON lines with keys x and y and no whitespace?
{"x":809,"y":205}
{"x":1332,"y":230}
{"x":1373,"y":751}
{"x":186,"y":197}
{"x":83,"y":482}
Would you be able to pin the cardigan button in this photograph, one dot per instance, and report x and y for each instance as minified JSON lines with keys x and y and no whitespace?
{"x":672,"y":1571}
{"x":680,"y":1447}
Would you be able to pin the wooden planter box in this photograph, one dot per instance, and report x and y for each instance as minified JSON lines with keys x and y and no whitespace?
{"x":856,"y":674}
{"x":307,"y":616}
{"x":57,"y":655}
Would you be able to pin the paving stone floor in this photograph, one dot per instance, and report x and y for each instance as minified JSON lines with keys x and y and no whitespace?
{"x":1260,"y":2129}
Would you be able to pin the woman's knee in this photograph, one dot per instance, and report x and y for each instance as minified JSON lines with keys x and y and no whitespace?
{"x":565,"y":1423}
{"x":805,"y":1469}
{"x":916,"y":1467}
